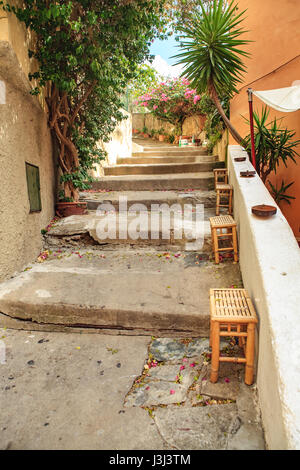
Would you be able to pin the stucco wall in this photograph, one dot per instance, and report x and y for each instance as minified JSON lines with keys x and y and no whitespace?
{"x":24,"y":137}
{"x":270,"y":266}
{"x":274,"y":63}
{"x":119,"y":146}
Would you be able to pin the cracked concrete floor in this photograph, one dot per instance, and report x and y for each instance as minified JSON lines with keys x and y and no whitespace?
{"x":67,"y":391}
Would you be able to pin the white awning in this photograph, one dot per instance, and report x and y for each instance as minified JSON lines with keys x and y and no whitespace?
{"x":286,"y":100}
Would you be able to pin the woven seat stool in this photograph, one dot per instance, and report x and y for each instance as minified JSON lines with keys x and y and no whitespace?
{"x":224,"y":190}
{"x":220,"y":176}
{"x":223,"y":227}
{"x":232,"y":314}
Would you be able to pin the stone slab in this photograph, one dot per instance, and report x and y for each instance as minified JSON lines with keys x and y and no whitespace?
{"x":158,"y":168}
{"x":198,"y":428}
{"x":177,"y":181}
{"x":117,"y":290}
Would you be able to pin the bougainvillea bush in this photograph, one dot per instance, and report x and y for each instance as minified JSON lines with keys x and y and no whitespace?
{"x":172,"y":100}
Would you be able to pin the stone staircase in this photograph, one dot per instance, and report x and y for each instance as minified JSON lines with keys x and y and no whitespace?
{"x":160,"y":166}
{"x":136,"y":286}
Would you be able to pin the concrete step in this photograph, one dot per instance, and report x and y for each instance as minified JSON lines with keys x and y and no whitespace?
{"x":147,"y":198}
{"x":158,"y":169}
{"x":175,"y":159}
{"x":171,"y":151}
{"x":204,"y":181}
{"x":139,"y":293}
{"x":163,"y":227}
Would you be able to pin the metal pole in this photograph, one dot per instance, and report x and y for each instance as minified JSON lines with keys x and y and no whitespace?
{"x":250,"y":99}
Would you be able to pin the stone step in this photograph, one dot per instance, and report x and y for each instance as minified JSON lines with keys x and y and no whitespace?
{"x":204,"y":181}
{"x":143,"y":292}
{"x":158,"y":169}
{"x":168,"y":228}
{"x":175,"y":159}
{"x":169,"y":152}
{"x":147,"y":198}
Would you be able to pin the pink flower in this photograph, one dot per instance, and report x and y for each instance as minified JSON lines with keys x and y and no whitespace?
{"x":196,"y":98}
{"x":165,"y":110}
{"x":172,"y":392}
{"x":227,"y":380}
{"x":182,"y":367}
{"x":155,"y":106}
{"x":192,"y":365}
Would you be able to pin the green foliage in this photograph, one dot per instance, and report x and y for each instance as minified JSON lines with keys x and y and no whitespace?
{"x":214,"y":126}
{"x":273,"y":144}
{"x":212,"y":48}
{"x":146,"y":77}
{"x":180,"y":12}
{"x":172,"y":100}
{"x":279,"y":193}
{"x":87,"y":51}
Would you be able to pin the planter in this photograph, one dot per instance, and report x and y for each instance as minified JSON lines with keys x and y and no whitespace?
{"x":161,"y":137}
{"x":65,"y":209}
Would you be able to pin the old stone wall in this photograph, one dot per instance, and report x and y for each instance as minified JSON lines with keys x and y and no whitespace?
{"x":192,"y":125}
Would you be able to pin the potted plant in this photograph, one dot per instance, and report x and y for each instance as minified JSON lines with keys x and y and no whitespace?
{"x":66,"y":207}
{"x":145,"y":133}
{"x":161,"y":135}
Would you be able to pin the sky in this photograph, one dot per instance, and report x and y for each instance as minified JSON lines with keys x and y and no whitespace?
{"x":163,"y":51}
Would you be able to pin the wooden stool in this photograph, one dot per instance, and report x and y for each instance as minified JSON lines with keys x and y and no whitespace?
{"x":220,"y":176}
{"x":224,"y":190}
{"x":217,"y":225}
{"x":232,"y":314}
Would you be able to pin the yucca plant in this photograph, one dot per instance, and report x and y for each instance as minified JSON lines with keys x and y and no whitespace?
{"x":211,"y":52}
{"x":273,"y":144}
{"x":279,"y":192}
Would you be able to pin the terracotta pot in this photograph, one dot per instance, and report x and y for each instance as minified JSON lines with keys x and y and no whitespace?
{"x":65,"y":209}
{"x":161,"y":137}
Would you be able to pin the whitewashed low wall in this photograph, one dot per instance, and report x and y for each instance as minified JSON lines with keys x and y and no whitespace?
{"x":270,"y":265}
{"x":119,"y":146}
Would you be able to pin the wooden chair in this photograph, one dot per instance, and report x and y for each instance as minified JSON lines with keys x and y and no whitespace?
{"x":232,"y":314}
{"x":224,"y":191}
{"x":220,"y":176}
{"x":223,"y":227}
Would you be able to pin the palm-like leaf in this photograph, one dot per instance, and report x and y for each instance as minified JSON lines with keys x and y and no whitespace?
{"x":212,"y":47}
{"x":273,"y":144}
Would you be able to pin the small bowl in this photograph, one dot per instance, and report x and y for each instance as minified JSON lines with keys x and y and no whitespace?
{"x":240,"y":159}
{"x":247,"y":174}
{"x":264,"y":210}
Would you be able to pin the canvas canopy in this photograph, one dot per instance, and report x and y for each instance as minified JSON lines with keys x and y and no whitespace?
{"x":286,"y":100}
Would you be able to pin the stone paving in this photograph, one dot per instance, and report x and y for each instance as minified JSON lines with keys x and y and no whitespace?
{"x":88,"y":391}
{"x":190,"y":411}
